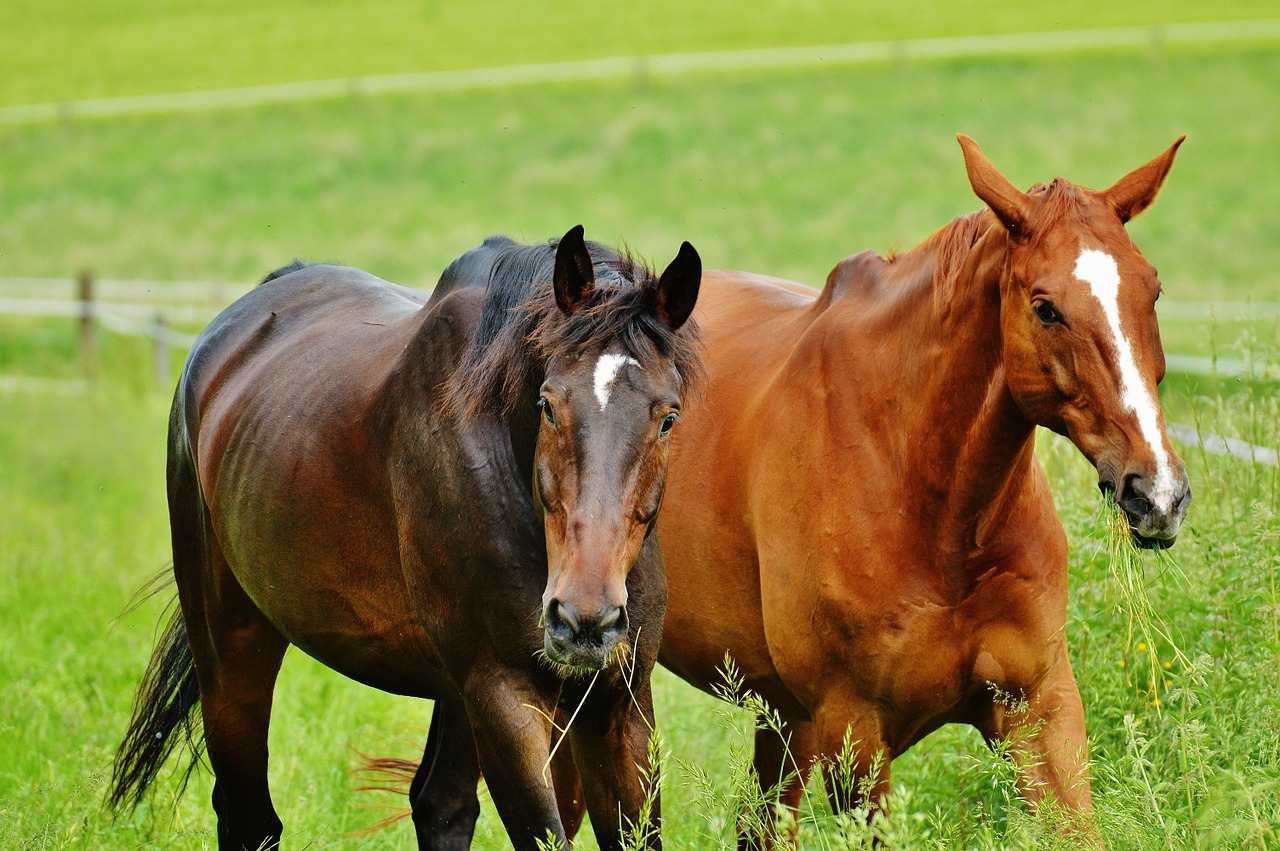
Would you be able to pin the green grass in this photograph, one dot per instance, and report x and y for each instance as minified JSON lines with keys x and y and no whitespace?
{"x":782,"y":173}
{"x":55,"y":50}
{"x":81,"y":495}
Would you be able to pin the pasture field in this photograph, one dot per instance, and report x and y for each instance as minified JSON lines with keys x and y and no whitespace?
{"x":782,"y":172}
{"x":57,"y":50}
{"x":1190,"y":762}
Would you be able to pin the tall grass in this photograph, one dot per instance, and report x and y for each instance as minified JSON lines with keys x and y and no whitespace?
{"x":1182,"y":716}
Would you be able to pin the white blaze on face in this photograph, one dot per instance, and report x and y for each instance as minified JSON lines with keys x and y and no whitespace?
{"x":606,"y":372}
{"x":1098,"y":269}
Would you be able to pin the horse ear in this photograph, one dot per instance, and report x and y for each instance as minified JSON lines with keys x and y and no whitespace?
{"x":574,"y":275}
{"x":678,"y":287}
{"x":1134,"y":192}
{"x":1005,"y":200}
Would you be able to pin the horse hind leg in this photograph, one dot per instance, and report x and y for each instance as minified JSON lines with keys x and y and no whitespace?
{"x":443,"y":792}
{"x":236,"y":707}
{"x":237,"y":655}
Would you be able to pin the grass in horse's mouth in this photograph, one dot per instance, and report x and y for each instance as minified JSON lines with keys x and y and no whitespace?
{"x":1129,"y":567}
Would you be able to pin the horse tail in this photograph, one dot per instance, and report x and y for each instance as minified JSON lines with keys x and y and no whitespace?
{"x":387,"y":774}
{"x":295,"y":266}
{"x":166,"y":697}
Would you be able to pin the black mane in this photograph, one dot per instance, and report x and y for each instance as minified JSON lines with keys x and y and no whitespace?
{"x":521,"y":327}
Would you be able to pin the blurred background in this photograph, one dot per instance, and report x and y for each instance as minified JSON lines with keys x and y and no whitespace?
{"x":157,"y":158}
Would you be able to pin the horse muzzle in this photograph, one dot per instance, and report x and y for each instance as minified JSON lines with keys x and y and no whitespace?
{"x":1155,"y":512}
{"x":582,"y":642}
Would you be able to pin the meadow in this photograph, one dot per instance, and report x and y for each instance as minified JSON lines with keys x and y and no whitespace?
{"x":782,"y":172}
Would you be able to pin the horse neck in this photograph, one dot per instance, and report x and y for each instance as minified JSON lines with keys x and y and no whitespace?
{"x":504,"y":441}
{"x":969,"y":447}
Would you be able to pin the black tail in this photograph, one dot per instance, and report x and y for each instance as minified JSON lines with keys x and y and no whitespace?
{"x":285,"y":270}
{"x":166,"y":697}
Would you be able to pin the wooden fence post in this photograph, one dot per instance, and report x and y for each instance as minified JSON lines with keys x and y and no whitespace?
{"x":88,"y":327}
{"x":160,"y":330}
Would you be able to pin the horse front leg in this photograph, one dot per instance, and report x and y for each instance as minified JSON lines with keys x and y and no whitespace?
{"x":848,"y":742}
{"x":1045,"y":737}
{"x":610,"y":738}
{"x":510,"y":716}
{"x":783,"y":761}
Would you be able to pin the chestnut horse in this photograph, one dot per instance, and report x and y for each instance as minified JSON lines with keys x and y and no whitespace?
{"x":858,"y":517}
{"x":450,"y":500}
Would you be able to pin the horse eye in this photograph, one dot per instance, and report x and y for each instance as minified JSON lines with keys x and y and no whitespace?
{"x":667,"y":422}
{"x":546,"y":411}
{"x":1047,"y":313}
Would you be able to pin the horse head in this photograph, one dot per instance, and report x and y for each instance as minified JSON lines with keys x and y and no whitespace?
{"x":1081,"y":345}
{"x":608,"y":407}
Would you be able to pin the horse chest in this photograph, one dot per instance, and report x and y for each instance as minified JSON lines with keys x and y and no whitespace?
{"x":924,"y":661}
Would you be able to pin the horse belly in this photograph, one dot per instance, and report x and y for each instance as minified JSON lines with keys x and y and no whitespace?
{"x":342,"y":604}
{"x":316,"y":553}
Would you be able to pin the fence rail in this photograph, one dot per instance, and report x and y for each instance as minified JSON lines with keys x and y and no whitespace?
{"x":1154,"y":37}
{"x":146,"y":308}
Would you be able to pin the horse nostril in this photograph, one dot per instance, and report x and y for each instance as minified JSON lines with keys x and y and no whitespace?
{"x":567,"y":615}
{"x":1183,"y":500}
{"x":611,"y":618}
{"x":1131,"y":500}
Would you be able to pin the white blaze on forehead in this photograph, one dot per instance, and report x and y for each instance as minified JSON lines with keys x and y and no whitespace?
{"x":1098,"y":269}
{"x":606,"y":372}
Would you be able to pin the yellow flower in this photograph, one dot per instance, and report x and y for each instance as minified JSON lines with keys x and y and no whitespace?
{"x":1168,"y":665}
{"x":1121,"y":663}
{"x":1142,"y":646}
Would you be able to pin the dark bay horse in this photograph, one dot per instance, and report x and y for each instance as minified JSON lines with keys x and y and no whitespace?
{"x":450,"y":500}
{"x":858,"y":517}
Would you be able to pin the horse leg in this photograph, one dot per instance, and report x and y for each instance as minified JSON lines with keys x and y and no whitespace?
{"x":443,"y":791}
{"x":855,"y":759}
{"x":611,"y":751}
{"x":783,"y":761}
{"x":509,"y":713}
{"x":568,"y":785}
{"x":1046,"y":739}
{"x":237,"y":654}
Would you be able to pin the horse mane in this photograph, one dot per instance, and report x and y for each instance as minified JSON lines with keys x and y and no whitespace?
{"x":954,"y":241}
{"x":297,"y":265}
{"x":521,"y":327}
